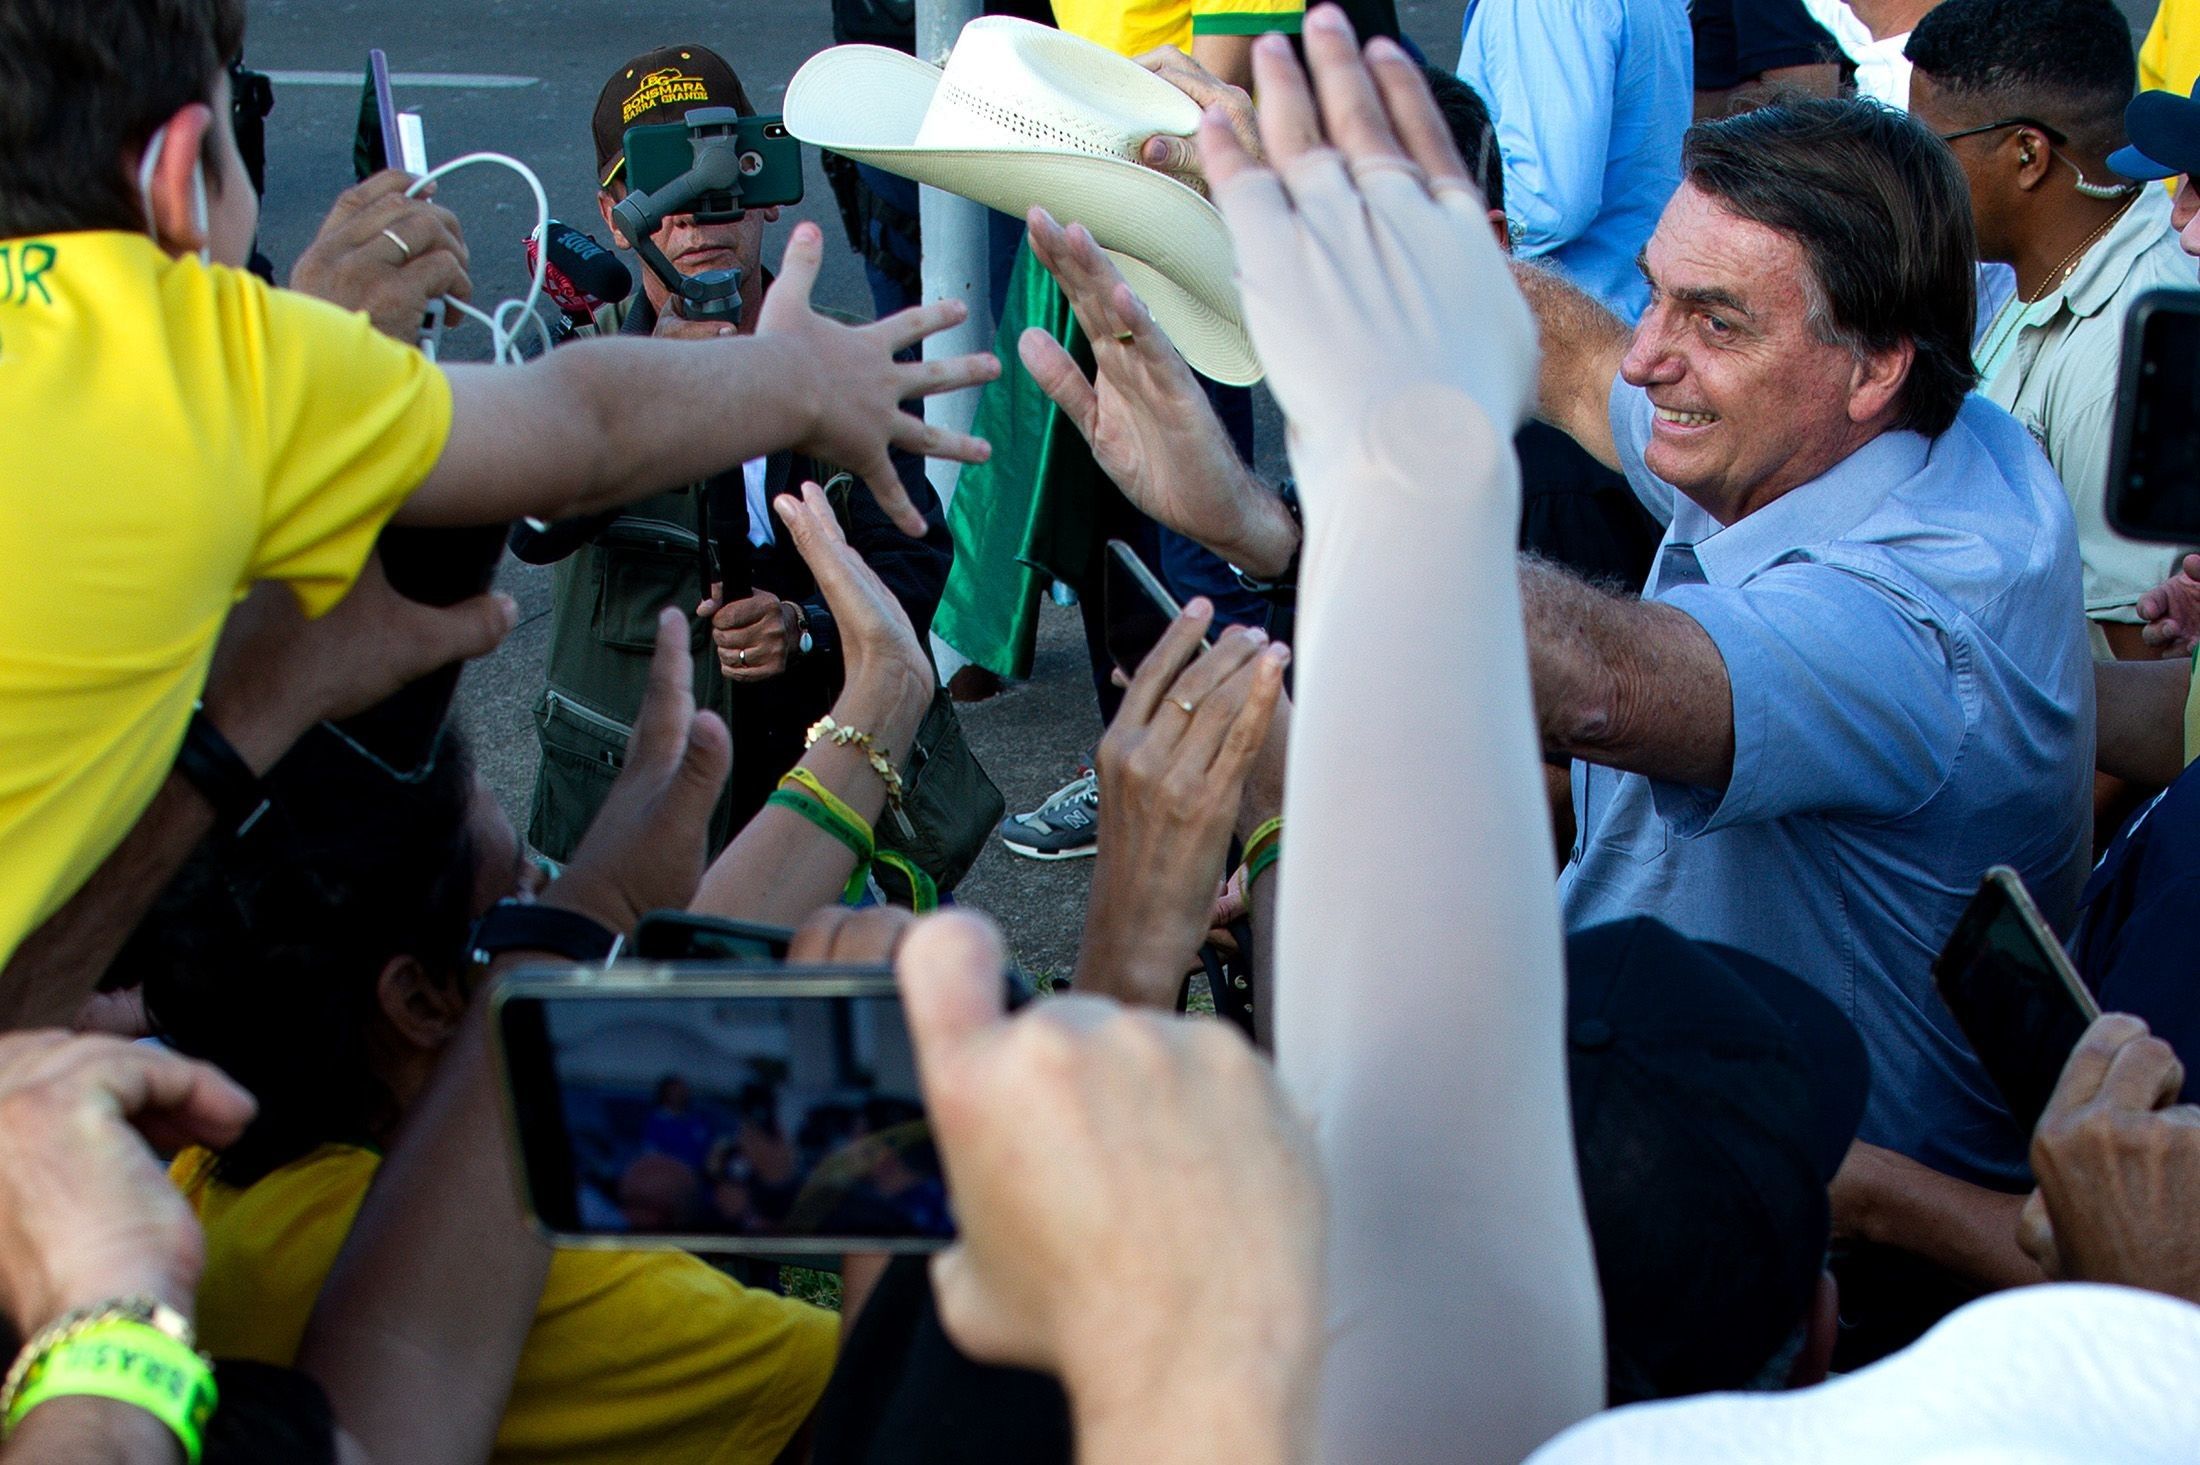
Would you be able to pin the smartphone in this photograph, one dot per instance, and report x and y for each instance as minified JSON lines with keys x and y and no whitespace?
{"x":2014,"y":993}
{"x":1138,"y":609}
{"x":2154,"y":464}
{"x":768,"y":1111}
{"x":771,"y":162}
{"x":376,"y":144}
{"x":675,"y":935}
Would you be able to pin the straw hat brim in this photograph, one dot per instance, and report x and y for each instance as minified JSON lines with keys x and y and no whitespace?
{"x":867,"y":103}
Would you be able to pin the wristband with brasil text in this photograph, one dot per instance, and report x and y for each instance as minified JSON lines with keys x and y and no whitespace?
{"x":114,"y":1355}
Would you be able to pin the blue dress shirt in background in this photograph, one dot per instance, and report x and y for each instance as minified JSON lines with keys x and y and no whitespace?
{"x":1591,"y":99}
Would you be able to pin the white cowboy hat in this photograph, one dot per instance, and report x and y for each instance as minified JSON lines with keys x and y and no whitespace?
{"x":1025,"y":114}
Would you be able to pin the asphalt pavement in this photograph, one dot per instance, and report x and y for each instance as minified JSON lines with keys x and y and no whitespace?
{"x":521,"y":77}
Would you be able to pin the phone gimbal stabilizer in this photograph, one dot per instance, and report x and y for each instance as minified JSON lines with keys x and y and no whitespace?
{"x":710,"y":190}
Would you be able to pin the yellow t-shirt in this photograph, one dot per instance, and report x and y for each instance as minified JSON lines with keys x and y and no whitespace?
{"x":2169,"y":59}
{"x":635,"y":1356}
{"x":1134,"y":27}
{"x":173,"y":434}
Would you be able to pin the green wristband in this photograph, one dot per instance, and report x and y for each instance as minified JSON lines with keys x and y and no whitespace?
{"x":133,"y":1364}
{"x":858,"y":841}
{"x":1261,"y":862}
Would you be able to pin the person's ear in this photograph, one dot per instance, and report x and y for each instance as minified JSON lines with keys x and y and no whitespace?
{"x":1502,"y":228}
{"x":420,"y":1010}
{"x":175,"y":188}
{"x":771,"y":213}
{"x":2035,"y":157}
{"x":604,"y":201}
{"x":1876,"y":379}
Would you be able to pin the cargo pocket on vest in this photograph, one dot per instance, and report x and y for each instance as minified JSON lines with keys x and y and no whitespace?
{"x":582,"y":753}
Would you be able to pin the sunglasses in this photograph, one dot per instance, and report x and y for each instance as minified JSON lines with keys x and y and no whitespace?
{"x":2051,"y":134}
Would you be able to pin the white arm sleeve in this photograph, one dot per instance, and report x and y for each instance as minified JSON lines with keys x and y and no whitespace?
{"x":1421,"y":983}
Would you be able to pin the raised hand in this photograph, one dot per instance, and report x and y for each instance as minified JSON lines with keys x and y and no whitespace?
{"x":1084,"y":1243}
{"x":2118,"y":1164}
{"x":1172,"y":769}
{"x":87,"y":1213}
{"x":857,"y":385}
{"x":357,"y":262}
{"x":878,"y":646}
{"x":1369,"y":274}
{"x":1150,"y":426}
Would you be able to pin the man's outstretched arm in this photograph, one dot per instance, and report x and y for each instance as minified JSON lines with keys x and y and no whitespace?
{"x":603,"y":423}
{"x":1583,"y":345}
{"x":1629,"y":683}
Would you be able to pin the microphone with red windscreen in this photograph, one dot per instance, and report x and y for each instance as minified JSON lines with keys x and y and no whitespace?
{"x":581,"y":276}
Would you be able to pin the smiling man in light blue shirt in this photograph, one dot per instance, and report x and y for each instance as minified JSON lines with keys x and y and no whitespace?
{"x":1857,"y":677}
{"x":1591,"y":98}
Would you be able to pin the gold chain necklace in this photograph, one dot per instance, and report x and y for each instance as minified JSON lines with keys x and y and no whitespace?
{"x":2070,"y":260}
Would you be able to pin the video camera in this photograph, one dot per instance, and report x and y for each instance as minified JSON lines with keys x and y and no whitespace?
{"x":716,"y":165}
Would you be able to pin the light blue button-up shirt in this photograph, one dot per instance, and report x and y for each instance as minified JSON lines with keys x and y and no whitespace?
{"x":1591,"y":98}
{"x":1913,"y":702}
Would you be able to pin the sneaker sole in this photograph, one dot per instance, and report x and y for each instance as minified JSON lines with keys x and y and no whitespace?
{"x":1033,"y":852}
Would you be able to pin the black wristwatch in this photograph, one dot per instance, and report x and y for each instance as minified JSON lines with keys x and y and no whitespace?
{"x":513,"y":925}
{"x":210,"y":764}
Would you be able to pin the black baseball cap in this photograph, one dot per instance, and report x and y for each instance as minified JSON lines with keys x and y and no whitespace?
{"x":2164,"y":129}
{"x":1714,"y":1096}
{"x":660,"y":86}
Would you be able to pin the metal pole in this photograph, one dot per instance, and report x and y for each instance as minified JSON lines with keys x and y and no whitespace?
{"x":954,"y":267}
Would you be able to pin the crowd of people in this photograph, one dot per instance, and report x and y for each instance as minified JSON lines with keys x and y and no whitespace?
{"x":1696,"y":571}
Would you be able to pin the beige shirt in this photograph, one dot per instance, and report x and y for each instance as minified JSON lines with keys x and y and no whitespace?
{"x":2059,"y":380}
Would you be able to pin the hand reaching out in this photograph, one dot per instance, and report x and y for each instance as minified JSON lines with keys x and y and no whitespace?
{"x":1369,"y":274}
{"x":858,"y":387}
{"x":877,"y":643}
{"x":1084,"y":1243}
{"x":2118,"y":1164}
{"x":1149,"y":424}
{"x":2171,"y":611}
{"x":1170,"y":781}
{"x":87,"y":1212}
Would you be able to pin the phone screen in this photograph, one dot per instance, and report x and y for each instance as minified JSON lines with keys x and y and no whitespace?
{"x":2014,"y":994}
{"x":1138,"y":610}
{"x":774,"y":1113}
{"x":2154,"y":475}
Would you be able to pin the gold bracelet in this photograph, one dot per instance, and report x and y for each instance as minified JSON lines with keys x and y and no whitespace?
{"x":136,"y":1308}
{"x":848,"y":737}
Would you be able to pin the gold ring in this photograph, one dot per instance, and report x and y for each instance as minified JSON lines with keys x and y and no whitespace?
{"x":1184,"y":703}
{"x":406,"y":249}
{"x":1126,"y":336}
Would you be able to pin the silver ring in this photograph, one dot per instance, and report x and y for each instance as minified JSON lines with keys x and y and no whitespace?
{"x":741,"y":657}
{"x":392,"y":236}
{"x":1185,"y":704}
